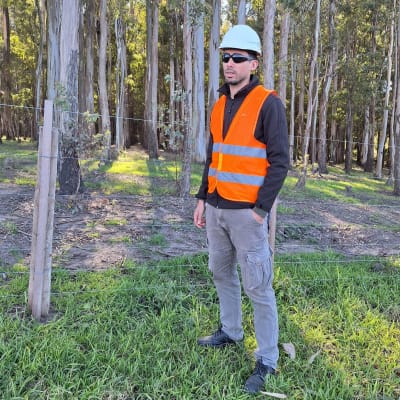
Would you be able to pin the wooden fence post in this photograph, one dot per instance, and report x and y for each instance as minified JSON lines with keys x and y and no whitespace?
{"x":43,"y":218}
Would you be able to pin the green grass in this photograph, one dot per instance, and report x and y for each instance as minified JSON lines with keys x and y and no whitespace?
{"x":357,"y":187}
{"x":130,"y":333}
{"x":18,"y":162}
{"x":134,"y":173}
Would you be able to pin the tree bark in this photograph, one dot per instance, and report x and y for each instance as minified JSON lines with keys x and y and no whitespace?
{"x":103,"y":91}
{"x":188,"y":84}
{"x":40,"y":7}
{"x":311,"y":97}
{"x":349,"y":136}
{"x":6,"y":125}
{"x":396,"y":141}
{"x":213,"y":65}
{"x":200,"y":138}
{"x":89,"y":65}
{"x":241,"y":11}
{"x":283,"y":55}
{"x":382,"y":138}
{"x":268,"y":43}
{"x":151,"y":139}
{"x":322,"y":134}
{"x":69,"y":173}
{"x":121,"y":74}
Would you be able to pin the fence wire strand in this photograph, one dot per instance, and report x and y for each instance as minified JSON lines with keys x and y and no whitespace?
{"x":286,"y":265}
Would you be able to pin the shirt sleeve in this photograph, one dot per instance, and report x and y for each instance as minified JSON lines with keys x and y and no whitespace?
{"x":202,"y":193}
{"x":272,"y":130}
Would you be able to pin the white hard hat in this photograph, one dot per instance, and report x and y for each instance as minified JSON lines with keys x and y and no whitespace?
{"x":241,"y":37}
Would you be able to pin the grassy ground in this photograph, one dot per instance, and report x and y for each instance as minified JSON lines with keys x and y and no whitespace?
{"x":130,"y":332}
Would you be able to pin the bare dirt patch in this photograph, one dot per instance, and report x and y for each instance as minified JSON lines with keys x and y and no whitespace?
{"x":94,"y":231}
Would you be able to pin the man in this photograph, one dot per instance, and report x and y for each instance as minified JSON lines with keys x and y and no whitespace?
{"x":246,"y":166}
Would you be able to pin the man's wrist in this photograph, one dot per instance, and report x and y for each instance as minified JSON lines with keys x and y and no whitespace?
{"x":259,"y":211}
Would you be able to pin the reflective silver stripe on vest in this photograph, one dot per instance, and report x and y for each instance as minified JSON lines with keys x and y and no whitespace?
{"x":240,"y":178}
{"x":235,"y":150}
{"x":212,"y":171}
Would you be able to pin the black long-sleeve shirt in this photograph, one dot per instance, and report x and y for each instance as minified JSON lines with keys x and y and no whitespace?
{"x":271,"y":129}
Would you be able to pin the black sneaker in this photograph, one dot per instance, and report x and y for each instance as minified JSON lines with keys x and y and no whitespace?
{"x":256,"y":380}
{"x":217,"y":339}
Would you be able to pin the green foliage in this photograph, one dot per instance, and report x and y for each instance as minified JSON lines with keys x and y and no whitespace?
{"x":131,"y":333}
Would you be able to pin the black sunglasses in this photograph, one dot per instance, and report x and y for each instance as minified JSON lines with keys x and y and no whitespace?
{"x":236,"y":58}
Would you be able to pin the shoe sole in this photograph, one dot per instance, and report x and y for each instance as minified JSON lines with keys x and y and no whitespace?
{"x":218,"y":346}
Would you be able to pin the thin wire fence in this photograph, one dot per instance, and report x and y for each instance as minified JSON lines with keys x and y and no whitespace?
{"x":160,"y":122}
{"x":287,"y":262}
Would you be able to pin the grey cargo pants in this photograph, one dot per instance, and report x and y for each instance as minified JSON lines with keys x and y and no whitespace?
{"x":234,"y":236}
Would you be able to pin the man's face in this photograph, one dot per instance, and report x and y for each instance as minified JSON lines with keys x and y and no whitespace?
{"x":238,"y":74}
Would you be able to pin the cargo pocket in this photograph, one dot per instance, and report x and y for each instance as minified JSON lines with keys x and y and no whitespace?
{"x":257,"y":272}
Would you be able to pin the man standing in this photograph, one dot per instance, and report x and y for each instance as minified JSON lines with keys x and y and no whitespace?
{"x":246,"y":166}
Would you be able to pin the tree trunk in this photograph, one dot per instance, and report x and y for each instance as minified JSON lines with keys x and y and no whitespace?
{"x":40,"y":7}
{"x":369,"y":165}
{"x":188,"y":84}
{"x":396,"y":141}
{"x":213,"y":55}
{"x":121,"y":74}
{"x":334,"y":131}
{"x":365,"y":138}
{"x":200,"y":138}
{"x":6,"y":125}
{"x":69,"y":173}
{"x":172,"y":82}
{"x":393,"y":124}
{"x":89,"y":65}
{"x":103,"y":90}
{"x":241,"y":18}
{"x":311,"y":97}
{"x":54,"y":9}
{"x":151,"y":139}
{"x":283,"y":55}
{"x":382,"y":138}
{"x":292,"y":110}
{"x":349,"y":135}
{"x":268,"y":43}
{"x":322,"y":136}
{"x":302,"y":94}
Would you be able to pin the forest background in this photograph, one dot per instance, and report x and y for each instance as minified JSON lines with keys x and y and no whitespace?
{"x":132,"y":72}
{"x":132,"y":84}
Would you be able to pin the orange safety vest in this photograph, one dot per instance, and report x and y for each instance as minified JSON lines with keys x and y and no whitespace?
{"x":239,"y":161}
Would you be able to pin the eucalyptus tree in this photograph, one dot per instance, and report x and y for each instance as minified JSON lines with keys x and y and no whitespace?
{"x":328,"y":77}
{"x":199,"y":131}
{"x":88,"y":78}
{"x":268,"y":43}
{"x":312,"y":95}
{"x":103,"y":87}
{"x":387,"y":89}
{"x":241,"y":11}
{"x":5,"y":76}
{"x":120,"y":78}
{"x":69,"y":169}
{"x":283,"y":52}
{"x":151,"y":104}
{"x":396,"y":141}
{"x":184,"y":184}
{"x":213,"y":58}
{"x":41,"y":12}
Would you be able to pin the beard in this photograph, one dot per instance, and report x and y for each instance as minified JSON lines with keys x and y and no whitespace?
{"x":234,"y":80}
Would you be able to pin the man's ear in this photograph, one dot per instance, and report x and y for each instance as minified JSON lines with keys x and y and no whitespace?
{"x":254,"y":65}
